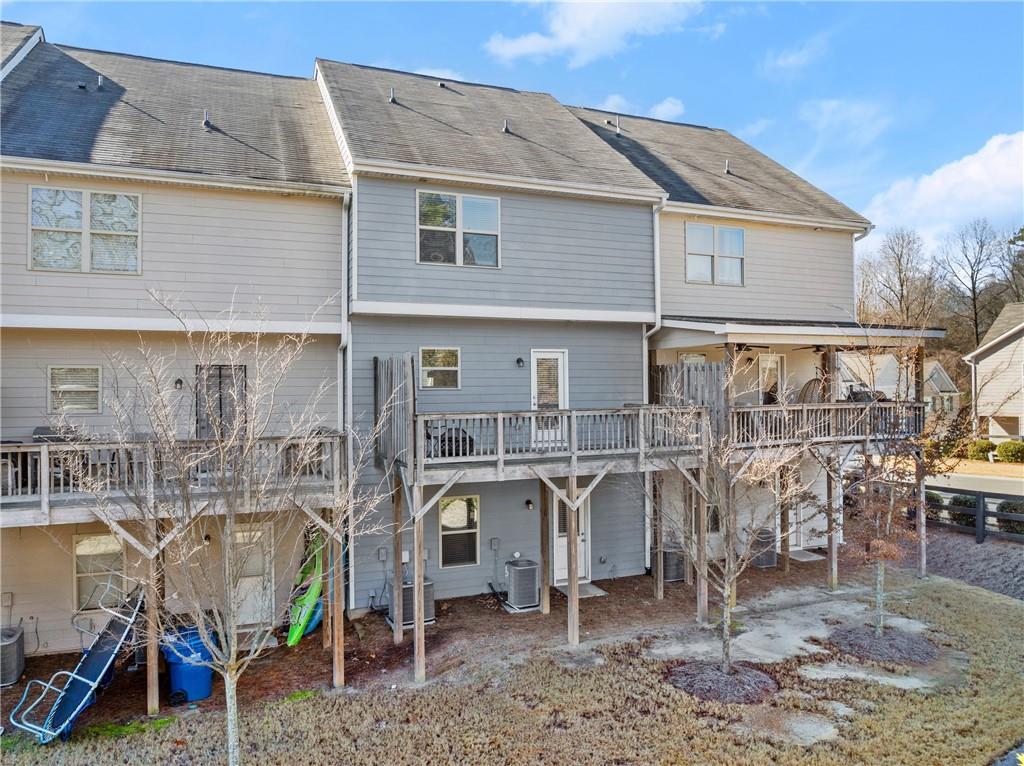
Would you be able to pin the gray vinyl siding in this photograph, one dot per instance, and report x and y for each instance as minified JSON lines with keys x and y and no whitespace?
{"x":790,"y":273}
{"x":555,"y":253}
{"x":1000,"y":379}
{"x":616,"y":538}
{"x":27,"y":353}
{"x":605,"y":369}
{"x":203,"y":250}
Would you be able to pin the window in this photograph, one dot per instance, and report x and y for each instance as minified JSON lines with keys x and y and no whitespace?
{"x":76,"y":230}
{"x":460,"y":531}
{"x":457,"y":229}
{"x":687,"y":357}
{"x":714,"y":254}
{"x":771,"y":377}
{"x":439,"y":368}
{"x":99,"y":563}
{"x":74,"y":390}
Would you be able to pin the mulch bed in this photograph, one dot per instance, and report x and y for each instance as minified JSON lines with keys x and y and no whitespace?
{"x":746,"y":685}
{"x":894,"y":646}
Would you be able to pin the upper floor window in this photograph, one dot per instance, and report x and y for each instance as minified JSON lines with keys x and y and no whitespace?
{"x":714,"y":254}
{"x":439,"y":368}
{"x":458,"y":229}
{"x":74,"y":230}
{"x":74,"y":390}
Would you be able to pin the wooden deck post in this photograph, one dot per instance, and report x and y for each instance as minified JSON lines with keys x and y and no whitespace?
{"x":919,"y":477}
{"x":833,"y":539}
{"x":152,"y":640}
{"x":545,"y":547}
{"x":572,"y":549}
{"x":702,"y":557}
{"x":419,"y":644}
{"x":784,"y":530}
{"x":325,"y":590}
{"x":337,"y":609}
{"x":397,"y":607}
{"x":658,"y":561}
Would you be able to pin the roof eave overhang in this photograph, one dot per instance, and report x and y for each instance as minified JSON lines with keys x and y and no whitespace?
{"x":718,"y":211}
{"x":151,"y":175}
{"x":995,"y":342}
{"x":470,"y":177}
{"x":740,"y":332}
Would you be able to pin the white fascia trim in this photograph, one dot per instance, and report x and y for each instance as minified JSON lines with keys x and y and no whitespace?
{"x":716,"y":211}
{"x":146,"y":175}
{"x":726,"y":328}
{"x":456,"y":175}
{"x":995,"y":341}
{"x":155,"y":324}
{"x":444,"y":310}
{"x":332,"y":116}
{"x":28,"y":45}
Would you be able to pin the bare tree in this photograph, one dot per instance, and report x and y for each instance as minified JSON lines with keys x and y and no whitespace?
{"x":1010,"y":266}
{"x":197,"y":507}
{"x":906,"y":279}
{"x":968,"y":262}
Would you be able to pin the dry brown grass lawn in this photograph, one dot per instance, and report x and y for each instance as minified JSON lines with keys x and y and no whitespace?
{"x":985,"y":468}
{"x":622,"y":711}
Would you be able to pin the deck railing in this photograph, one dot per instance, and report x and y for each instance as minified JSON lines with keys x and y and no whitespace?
{"x":774,"y":424}
{"x":45,"y":473}
{"x":500,"y":437}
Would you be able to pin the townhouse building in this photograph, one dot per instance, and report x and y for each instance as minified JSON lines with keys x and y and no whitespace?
{"x":501,"y":287}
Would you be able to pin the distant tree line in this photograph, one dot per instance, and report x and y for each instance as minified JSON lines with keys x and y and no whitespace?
{"x":962,"y":285}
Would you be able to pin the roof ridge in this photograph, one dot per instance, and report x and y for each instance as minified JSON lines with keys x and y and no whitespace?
{"x":646,"y":118}
{"x":181,"y":63}
{"x":434,"y":77}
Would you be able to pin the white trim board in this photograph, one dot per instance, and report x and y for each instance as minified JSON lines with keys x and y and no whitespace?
{"x":149,"y":175}
{"x":716,"y":211}
{"x":23,"y":51}
{"x":724,"y":328}
{"x":995,"y":341}
{"x":160,"y":324}
{"x":443,"y":310}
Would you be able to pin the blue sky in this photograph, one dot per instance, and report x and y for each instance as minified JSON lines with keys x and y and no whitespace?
{"x":912,"y":113}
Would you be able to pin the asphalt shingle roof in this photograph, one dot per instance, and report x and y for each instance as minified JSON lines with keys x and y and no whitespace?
{"x":1011,"y":316}
{"x":149,"y":114}
{"x":460,"y":126}
{"x":688,"y":161}
{"x":12,"y":37}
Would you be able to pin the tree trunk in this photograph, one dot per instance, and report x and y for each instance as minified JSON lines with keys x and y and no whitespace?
{"x":727,"y":629}
{"x":879,"y":597}
{"x":231,"y":715}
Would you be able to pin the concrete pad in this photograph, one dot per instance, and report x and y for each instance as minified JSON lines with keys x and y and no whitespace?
{"x":794,"y":727}
{"x":843,"y":671}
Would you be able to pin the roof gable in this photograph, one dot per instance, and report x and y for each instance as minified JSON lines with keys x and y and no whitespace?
{"x":12,"y":37}
{"x":1011,"y":316}
{"x":689,"y":162}
{"x":459,"y":126}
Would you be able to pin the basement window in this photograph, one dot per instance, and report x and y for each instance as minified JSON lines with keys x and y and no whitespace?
{"x":76,"y":230}
{"x":460,"y":531}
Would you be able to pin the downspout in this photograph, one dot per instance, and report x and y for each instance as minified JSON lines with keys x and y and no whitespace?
{"x":974,"y":394}
{"x":648,"y":487}
{"x":344,"y":365}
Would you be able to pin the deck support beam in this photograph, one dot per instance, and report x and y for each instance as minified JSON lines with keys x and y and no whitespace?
{"x":658,"y":528}
{"x":419,"y":643}
{"x":545,"y":547}
{"x":152,"y":638}
{"x":397,"y":607}
{"x":919,"y":477}
{"x":572,"y":548}
{"x":784,"y":530}
{"x":700,"y":499}
{"x":831,"y":518}
{"x":337,"y":581}
{"x":325,"y":590}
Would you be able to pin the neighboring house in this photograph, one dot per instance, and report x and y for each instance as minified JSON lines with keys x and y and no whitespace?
{"x":881,"y":372}
{"x":997,"y":376}
{"x":513,"y":278}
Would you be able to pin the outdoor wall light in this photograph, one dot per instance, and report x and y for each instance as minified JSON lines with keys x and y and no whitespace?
{"x":520,"y":362}
{"x":529,"y":505}
{"x":178,"y":384}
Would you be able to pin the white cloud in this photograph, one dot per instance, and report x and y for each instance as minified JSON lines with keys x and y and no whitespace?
{"x":755,"y":128}
{"x":586,"y":31}
{"x":987,"y":183}
{"x":790,"y":63}
{"x":712,"y":31}
{"x":440,"y":73}
{"x":670,"y":108}
{"x":856,"y":121}
{"x":616,"y":102}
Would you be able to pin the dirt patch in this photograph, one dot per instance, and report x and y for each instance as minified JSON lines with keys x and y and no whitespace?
{"x":893,"y":646}
{"x":794,"y":727}
{"x":746,"y":685}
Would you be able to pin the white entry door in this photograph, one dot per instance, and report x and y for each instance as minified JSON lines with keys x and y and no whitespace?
{"x":559,"y":532}
{"x":549,"y":391}
{"x":254,"y":594}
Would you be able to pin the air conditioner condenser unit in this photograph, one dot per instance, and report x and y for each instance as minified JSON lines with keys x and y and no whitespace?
{"x":523,"y":577}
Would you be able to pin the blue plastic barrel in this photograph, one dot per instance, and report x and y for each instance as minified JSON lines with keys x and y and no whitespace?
{"x":184,"y":651}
